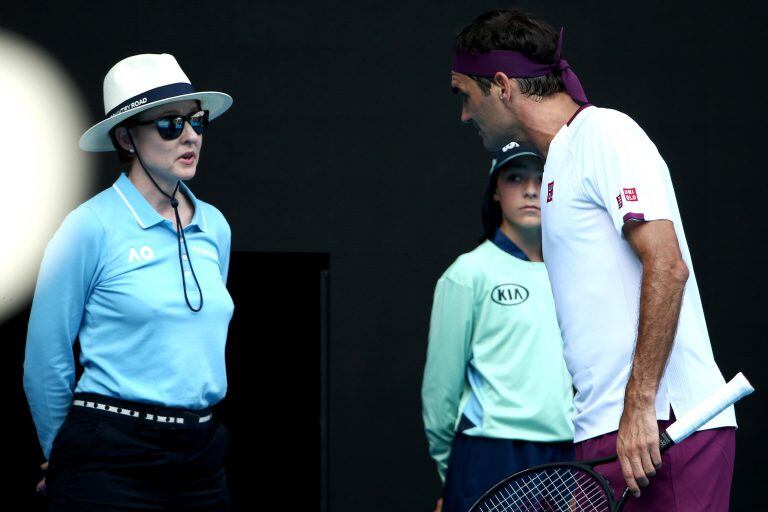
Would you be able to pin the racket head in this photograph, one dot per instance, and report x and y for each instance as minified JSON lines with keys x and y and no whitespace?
{"x":556,"y":487}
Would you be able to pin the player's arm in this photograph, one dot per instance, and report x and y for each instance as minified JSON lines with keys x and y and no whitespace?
{"x":450,"y":332}
{"x":664,"y":277}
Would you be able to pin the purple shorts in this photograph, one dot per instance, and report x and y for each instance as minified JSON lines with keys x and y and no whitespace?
{"x":695,"y":475}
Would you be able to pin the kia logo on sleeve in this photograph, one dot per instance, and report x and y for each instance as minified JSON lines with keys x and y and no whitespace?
{"x":509,"y":294}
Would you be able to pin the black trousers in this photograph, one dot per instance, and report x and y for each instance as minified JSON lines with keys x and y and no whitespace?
{"x":108,"y":463}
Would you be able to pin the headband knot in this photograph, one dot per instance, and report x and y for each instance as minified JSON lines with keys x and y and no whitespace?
{"x":571,"y":81}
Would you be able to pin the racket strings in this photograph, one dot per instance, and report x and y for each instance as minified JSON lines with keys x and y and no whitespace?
{"x":559,"y":489}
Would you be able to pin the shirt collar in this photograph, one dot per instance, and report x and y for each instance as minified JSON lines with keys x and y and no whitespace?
{"x":505,"y":244}
{"x":146,"y":216}
{"x":198,"y":218}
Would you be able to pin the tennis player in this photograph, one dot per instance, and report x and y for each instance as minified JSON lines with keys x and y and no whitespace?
{"x":496,"y":395}
{"x":138,"y":274}
{"x":628,"y":304}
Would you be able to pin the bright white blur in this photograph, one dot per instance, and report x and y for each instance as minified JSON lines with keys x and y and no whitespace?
{"x":43,"y":173}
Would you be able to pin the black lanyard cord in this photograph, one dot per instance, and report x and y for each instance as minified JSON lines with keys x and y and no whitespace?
{"x":181,"y":237}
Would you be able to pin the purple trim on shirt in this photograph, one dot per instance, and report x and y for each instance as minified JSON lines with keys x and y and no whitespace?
{"x":577,"y":113}
{"x":634,"y":216}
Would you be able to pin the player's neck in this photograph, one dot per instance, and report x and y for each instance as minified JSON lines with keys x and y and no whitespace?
{"x":527,"y":239}
{"x":544,"y":117}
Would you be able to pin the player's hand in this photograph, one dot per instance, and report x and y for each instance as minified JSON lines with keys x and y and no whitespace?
{"x":40,"y":487}
{"x":439,"y":505}
{"x":637,"y":444}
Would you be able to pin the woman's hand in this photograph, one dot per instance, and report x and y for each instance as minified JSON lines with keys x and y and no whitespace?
{"x":41,"y":484}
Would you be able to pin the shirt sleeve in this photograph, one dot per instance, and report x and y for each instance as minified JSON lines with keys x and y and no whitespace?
{"x":624,"y":172}
{"x":223,"y":237}
{"x":224,"y":252}
{"x":450,"y":333}
{"x":67,"y":275}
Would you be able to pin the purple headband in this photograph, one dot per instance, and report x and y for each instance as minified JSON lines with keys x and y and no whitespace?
{"x":516,"y":65}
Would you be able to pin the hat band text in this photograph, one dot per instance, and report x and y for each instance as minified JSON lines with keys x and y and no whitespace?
{"x":156,"y":94}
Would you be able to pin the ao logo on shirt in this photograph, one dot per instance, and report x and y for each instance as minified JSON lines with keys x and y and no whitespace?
{"x":509,"y":294}
{"x":144,"y":254}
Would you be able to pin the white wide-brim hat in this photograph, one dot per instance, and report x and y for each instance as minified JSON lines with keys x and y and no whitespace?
{"x":142,"y":82}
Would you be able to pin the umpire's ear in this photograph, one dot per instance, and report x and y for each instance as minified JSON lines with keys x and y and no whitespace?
{"x":121,"y":136}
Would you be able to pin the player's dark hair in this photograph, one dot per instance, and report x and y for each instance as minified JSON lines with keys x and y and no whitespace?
{"x":491,"y":209}
{"x":513,"y":29}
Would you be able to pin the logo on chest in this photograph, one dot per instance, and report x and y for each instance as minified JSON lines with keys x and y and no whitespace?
{"x":550,"y":190}
{"x":144,"y":254}
{"x":509,"y":294}
{"x":205,"y":252}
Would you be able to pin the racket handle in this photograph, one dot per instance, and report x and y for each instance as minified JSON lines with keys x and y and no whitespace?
{"x":713,"y":405}
{"x":665,"y":442}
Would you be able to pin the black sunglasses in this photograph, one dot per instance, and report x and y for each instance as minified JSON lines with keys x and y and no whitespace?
{"x":170,"y":127}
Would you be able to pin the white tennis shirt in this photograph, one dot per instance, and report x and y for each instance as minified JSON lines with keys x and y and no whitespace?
{"x":602,"y":170}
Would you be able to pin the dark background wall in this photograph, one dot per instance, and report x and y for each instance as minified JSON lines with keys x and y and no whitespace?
{"x":344,"y":139}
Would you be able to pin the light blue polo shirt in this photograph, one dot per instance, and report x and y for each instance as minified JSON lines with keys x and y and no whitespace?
{"x":110,"y":276}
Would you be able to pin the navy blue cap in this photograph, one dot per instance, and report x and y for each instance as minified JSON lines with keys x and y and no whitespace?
{"x":511,"y":151}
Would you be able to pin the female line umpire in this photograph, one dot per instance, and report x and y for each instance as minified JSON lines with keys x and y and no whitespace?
{"x":496,"y":393}
{"x":138,"y":274}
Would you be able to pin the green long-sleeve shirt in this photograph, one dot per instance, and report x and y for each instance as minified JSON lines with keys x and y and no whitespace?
{"x":495,"y":355}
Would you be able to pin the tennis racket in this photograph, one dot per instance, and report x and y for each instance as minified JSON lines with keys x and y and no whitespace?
{"x":576,"y":487}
